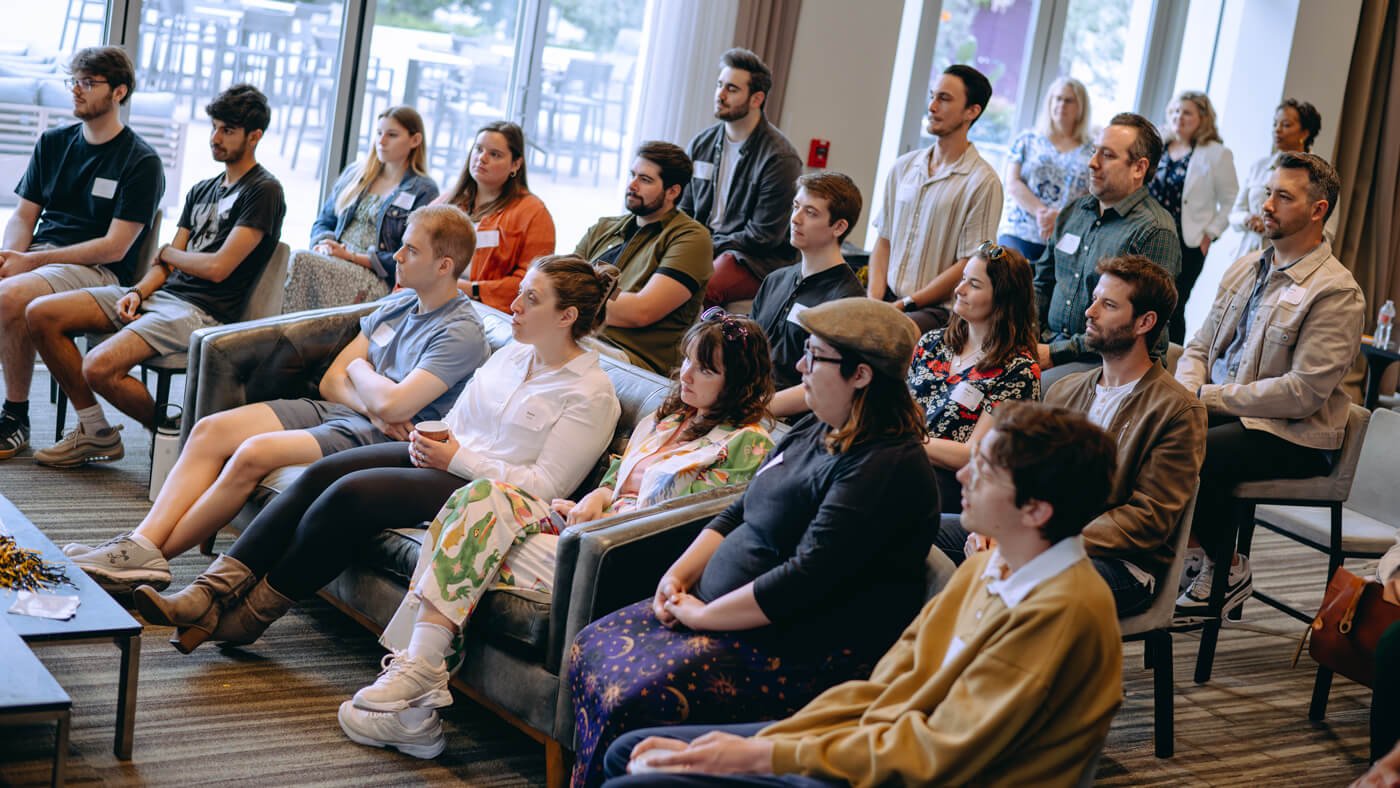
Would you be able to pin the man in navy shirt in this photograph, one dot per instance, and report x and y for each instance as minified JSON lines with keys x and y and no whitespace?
{"x":227,"y":232}
{"x":85,"y":204}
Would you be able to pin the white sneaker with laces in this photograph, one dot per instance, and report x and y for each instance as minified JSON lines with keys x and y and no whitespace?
{"x":385,"y":729}
{"x":1196,"y":601}
{"x":1191,"y":566}
{"x":120,"y":564}
{"x":406,"y":682}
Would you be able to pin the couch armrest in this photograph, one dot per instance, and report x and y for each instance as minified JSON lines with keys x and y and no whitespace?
{"x":260,"y":360}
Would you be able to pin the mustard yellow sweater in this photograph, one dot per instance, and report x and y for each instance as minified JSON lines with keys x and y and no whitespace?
{"x":1026,"y":700}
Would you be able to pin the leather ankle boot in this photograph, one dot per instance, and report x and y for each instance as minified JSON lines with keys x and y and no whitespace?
{"x":195,"y":609}
{"x":245,"y":623}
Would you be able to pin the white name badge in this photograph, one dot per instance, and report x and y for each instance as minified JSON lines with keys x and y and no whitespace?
{"x":1293,"y":295}
{"x":967,"y":395}
{"x":704,"y":170}
{"x":106,"y":188}
{"x":906,"y":193}
{"x":382,"y":335}
{"x":488,"y":239}
{"x":226,"y":204}
{"x":1069,"y":243}
{"x":796,"y":310}
{"x":404,"y":200}
{"x":778,"y":460}
{"x":956,"y":646}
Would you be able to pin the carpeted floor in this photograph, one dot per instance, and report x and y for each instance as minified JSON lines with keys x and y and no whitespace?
{"x":266,"y":715}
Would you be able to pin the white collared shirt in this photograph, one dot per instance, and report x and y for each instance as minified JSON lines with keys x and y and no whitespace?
{"x":1061,"y":556}
{"x":543,"y":433}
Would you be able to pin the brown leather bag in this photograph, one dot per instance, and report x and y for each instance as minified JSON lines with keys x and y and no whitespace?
{"x":1349,"y":625}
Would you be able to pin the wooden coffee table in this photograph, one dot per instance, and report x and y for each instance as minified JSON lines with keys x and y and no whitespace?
{"x":99,"y":620}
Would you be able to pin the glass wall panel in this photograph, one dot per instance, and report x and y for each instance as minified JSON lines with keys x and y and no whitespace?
{"x":1104,"y":46}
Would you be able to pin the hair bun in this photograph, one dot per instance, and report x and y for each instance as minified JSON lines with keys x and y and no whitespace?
{"x":608,"y":275}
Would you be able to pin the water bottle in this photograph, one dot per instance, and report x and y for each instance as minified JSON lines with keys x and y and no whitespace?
{"x":165,"y":447}
{"x":1384,"y":321}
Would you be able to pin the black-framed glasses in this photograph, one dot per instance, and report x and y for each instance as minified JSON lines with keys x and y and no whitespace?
{"x":86,"y":83}
{"x":731,"y":326}
{"x":991,"y":250}
{"x":812,"y":358}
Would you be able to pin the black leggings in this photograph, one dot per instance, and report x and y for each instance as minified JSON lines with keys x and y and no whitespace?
{"x":1192,"y":262}
{"x":309,"y":532}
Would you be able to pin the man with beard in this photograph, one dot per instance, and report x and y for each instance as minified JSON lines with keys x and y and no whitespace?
{"x":744,"y":181}
{"x":1117,"y":217}
{"x":939,"y":204}
{"x":85,"y":205}
{"x":664,"y":255}
{"x":227,"y":232}
{"x":1268,"y":365}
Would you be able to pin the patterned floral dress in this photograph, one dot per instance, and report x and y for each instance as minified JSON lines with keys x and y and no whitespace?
{"x":492,"y":533}
{"x":1056,"y":177}
{"x":315,"y":281}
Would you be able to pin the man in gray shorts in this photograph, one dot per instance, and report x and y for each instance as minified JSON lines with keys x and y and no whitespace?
{"x":85,"y":203}
{"x":228,"y":230}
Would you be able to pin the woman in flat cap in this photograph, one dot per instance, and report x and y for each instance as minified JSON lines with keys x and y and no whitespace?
{"x":800,"y":584}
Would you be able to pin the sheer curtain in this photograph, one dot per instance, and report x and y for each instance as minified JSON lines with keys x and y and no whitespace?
{"x":679,"y":60}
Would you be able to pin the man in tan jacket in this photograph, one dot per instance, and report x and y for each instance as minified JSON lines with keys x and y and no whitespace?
{"x":1009,"y":676}
{"x":1268,"y":364}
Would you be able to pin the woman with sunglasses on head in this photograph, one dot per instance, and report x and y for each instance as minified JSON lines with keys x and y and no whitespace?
{"x":800,"y":584}
{"x":706,"y":434}
{"x":986,"y":356}
{"x":513,"y":226}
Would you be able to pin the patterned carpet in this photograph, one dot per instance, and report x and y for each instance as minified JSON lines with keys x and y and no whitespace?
{"x":266,"y":715}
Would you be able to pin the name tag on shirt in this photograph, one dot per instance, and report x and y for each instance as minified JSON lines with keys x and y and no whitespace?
{"x":106,"y":188}
{"x":1293,"y":295}
{"x":1068,"y":243}
{"x":777,"y":460}
{"x":955,"y":647}
{"x":704,"y":170}
{"x":226,"y":204}
{"x":906,"y":193}
{"x":488,"y":239}
{"x":404,"y":200}
{"x":796,"y":310}
{"x":382,"y":335}
{"x":967,"y":395}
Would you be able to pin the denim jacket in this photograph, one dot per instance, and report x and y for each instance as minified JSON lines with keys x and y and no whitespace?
{"x":391,"y":223}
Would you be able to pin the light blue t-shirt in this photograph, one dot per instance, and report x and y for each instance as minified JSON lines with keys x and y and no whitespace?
{"x":448,"y":342}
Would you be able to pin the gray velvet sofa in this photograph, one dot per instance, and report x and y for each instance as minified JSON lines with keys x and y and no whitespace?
{"x":516,"y":659}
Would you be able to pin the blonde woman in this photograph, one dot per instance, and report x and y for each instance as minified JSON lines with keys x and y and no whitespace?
{"x":1047,"y":169}
{"x":1196,"y":183}
{"x":361,"y":226}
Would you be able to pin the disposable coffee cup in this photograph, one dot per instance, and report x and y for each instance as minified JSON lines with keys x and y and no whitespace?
{"x":434,"y":430}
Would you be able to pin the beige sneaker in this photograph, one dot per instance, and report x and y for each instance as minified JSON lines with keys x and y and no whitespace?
{"x":79,"y":448}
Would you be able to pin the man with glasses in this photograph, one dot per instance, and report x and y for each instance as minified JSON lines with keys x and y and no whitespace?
{"x":85,"y":205}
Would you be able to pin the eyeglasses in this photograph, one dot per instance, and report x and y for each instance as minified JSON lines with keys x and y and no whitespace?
{"x":86,"y":83}
{"x":731,"y":326}
{"x":812,"y":358}
{"x":991,"y":251}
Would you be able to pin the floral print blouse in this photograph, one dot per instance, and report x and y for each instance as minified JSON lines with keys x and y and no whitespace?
{"x":726,"y":455}
{"x":1170,"y":182}
{"x":932,"y":380}
{"x":1056,"y":178}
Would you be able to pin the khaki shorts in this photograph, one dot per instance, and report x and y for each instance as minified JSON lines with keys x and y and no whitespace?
{"x":164,"y":321}
{"x":63,"y":277}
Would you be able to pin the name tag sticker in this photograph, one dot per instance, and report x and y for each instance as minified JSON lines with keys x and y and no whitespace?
{"x":1068,"y":243}
{"x":1293,"y":295}
{"x":382,"y":335}
{"x":704,"y":170}
{"x":488,"y":239}
{"x":956,"y":646}
{"x":778,"y":460}
{"x":106,"y":188}
{"x":967,"y":395}
{"x":226,"y":204}
{"x":906,"y":193}
{"x":796,"y":310}
{"x":404,"y":200}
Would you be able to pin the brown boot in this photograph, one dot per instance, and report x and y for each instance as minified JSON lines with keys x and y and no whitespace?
{"x":246,"y":622}
{"x":195,"y":610}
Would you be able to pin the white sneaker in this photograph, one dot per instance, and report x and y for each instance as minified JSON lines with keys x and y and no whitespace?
{"x":120,"y":564}
{"x":1195,"y":603}
{"x":406,"y":682}
{"x":385,"y":729}
{"x":1193,"y":560}
{"x":75,"y":549}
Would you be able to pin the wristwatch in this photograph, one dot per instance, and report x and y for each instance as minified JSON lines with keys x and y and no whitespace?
{"x":906,"y":304}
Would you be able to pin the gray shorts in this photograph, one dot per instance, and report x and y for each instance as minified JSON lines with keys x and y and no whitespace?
{"x":63,"y":277}
{"x":335,"y":427}
{"x":164,"y":321}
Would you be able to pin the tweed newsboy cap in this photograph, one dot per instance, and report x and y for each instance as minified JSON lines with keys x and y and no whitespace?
{"x":882,"y":335}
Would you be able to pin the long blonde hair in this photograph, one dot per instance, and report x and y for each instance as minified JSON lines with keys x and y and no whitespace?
{"x":1207,"y":131}
{"x":1046,"y":127}
{"x":370,"y":168}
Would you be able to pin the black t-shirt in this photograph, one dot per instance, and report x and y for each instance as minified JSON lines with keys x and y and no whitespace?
{"x":211,"y":212}
{"x":83,"y":187}
{"x":782,"y":295}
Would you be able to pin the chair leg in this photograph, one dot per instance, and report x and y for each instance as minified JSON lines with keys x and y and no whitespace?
{"x":207,"y":546}
{"x":1164,"y":695}
{"x":60,"y":415}
{"x":1147,"y":654}
{"x":1210,"y":631}
{"x":556,"y":771}
{"x":1322,"y":687}
{"x":1244,"y":541}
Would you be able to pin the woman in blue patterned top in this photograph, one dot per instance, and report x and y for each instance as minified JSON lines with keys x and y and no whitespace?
{"x":986,"y":356}
{"x":1048,"y":168}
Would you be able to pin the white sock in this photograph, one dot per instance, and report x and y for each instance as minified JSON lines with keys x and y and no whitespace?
{"x":143,"y":541}
{"x":430,"y":642}
{"x":414,"y":717}
{"x":93,"y":419}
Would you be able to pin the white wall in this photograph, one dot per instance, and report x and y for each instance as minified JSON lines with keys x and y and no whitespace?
{"x":839,"y":86}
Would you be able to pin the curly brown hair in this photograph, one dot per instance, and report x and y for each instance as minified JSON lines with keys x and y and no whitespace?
{"x":745,"y":360}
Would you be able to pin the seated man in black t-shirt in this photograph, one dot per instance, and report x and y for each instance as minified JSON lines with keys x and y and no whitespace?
{"x":85,"y":204}
{"x":227,"y":232}
{"x":825,"y":209}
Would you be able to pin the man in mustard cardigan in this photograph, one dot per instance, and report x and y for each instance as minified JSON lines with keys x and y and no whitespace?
{"x":1009,"y":676}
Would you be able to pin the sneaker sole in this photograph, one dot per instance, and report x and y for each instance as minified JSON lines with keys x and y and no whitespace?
{"x":424,"y":751}
{"x":6,"y":454}
{"x":78,"y":462}
{"x":432,"y":699}
{"x":127,"y":580}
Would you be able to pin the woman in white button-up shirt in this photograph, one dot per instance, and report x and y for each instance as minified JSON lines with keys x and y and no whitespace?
{"x":539,"y":413}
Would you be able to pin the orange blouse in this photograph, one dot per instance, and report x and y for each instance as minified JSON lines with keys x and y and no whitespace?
{"x":507,"y":241}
